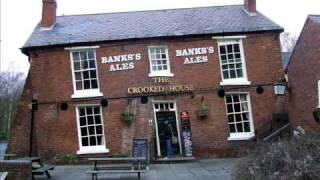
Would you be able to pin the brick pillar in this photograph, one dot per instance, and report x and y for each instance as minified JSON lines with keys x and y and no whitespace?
{"x":49,"y":11}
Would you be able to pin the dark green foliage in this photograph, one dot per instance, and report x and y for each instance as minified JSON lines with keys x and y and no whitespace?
{"x":203,"y":111}
{"x":295,"y":159}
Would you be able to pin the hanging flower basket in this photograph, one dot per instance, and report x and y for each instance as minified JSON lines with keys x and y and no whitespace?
{"x":316,"y":115}
{"x":127,"y":115}
{"x":203,"y":111}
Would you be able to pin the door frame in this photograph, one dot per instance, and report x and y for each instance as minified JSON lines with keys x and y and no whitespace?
{"x":175,"y":109}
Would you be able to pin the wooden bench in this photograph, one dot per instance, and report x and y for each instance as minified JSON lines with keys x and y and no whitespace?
{"x":42,"y":170}
{"x":125,"y":165}
{"x":38,"y":168}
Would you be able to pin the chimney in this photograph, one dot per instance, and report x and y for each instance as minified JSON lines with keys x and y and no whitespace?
{"x":250,"y":6}
{"x":49,"y":8}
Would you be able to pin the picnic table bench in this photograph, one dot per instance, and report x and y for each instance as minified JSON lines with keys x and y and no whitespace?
{"x":124,"y":165}
{"x":3,"y":175}
{"x":37,"y":167}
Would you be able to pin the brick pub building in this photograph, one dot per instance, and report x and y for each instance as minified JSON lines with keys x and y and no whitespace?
{"x":88,"y":70}
{"x":304,"y":76}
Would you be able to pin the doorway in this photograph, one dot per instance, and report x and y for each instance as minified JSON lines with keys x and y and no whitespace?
{"x":166,"y":111}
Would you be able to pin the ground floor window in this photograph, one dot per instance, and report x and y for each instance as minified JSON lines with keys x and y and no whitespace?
{"x":90,"y":129}
{"x":239,"y":116}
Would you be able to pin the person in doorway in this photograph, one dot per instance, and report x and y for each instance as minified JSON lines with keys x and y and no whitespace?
{"x":168,"y":136}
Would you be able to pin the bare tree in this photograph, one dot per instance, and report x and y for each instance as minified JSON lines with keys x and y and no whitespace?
{"x":288,"y":41}
{"x":11,"y":85}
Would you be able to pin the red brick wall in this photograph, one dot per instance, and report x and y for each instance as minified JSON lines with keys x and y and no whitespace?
{"x":17,"y":170}
{"x":52,"y":83}
{"x":303,"y":74}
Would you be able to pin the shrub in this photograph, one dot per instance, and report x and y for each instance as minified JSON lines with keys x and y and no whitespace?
{"x":294,"y":159}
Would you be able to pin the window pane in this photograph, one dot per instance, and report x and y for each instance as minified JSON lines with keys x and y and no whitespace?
{"x":236,"y":48}
{"x":84,"y":131}
{"x":78,"y":76}
{"x":96,"y":110}
{"x":230,"y":108}
{"x":223,"y":57}
{"x":86,"y":84}
{"x":244,"y":106}
{"x":232,"y":73}
{"x":94,"y":84}
{"x":246,"y":127}
{"x":245,"y":116}
{"x":82,"y":111}
{"x":92,"y":64}
{"x":225,"y":74}
{"x":99,"y":129}
{"x":228,"y":99}
{"x":79,"y":85}
{"x":237,"y":108}
{"x":230,"y":118}
{"x":76,"y":66}
{"x":239,"y":73}
{"x":90,"y":120}
{"x":93,"y":74}
{"x":235,"y":98}
{"x":239,"y":127}
{"x":75,"y":56}
{"x":84,"y":64}
{"x":83,"y":121}
{"x":83,"y":55}
{"x":97,"y":119}
{"x":85,"y":75}
{"x":89,"y":111}
{"x":93,"y":141}
{"x":237,"y":55}
{"x":99,"y":138}
{"x":91,"y":130}
{"x":238,"y":118}
{"x":229,"y":48}
{"x":85,"y":141}
{"x":222,"y":50}
{"x":232,"y":128}
{"x":91,"y":54}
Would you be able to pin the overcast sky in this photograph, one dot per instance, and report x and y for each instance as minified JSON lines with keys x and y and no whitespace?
{"x":19,"y":17}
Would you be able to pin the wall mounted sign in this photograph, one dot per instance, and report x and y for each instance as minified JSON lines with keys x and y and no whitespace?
{"x":165,"y":87}
{"x":121,"y":62}
{"x":195,"y":55}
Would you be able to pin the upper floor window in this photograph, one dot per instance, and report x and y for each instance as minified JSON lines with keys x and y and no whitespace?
{"x":159,"y":61}
{"x":232,"y":62}
{"x":85,"y":75}
{"x":239,"y":116}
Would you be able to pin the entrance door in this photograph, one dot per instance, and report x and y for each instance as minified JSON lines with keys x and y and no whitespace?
{"x":166,"y":111}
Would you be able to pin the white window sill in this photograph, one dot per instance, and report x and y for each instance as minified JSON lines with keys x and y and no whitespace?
{"x":86,"y":94}
{"x":241,"y":136}
{"x":93,"y":150}
{"x":235,"y":82}
{"x":161,"y":74}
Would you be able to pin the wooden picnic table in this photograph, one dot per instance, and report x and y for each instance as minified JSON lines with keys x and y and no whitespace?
{"x":37,"y":167}
{"x":106,"y":165}
{"x":3,"y":175}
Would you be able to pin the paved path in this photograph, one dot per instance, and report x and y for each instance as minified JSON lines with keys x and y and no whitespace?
{"x":219,"y":169}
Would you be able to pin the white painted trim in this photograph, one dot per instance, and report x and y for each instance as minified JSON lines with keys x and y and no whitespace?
{"x":228,"y":37}
{"x":163,"y":73}
{"x":318,"y":93}
{"x":91,"y":149}
{"x":88,"y":92}
{"x":234,"y":81}
{"x":81,"y":47}
{"x":177,"y":122}
{"x":47,"y":28}
{"x":244,"y":135}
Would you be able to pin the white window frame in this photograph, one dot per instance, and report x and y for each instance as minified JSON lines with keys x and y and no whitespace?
{"x":242,"y":135}
{"x":88,"y":92}
{"x":233,"y":40}
{"x":90,"y":149}
{"x":163,"y":73}
{"x":318,"y":93}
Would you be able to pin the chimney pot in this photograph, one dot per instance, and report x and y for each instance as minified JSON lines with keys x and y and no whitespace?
{"x":250,"y":6}
{"x":49,"y":11}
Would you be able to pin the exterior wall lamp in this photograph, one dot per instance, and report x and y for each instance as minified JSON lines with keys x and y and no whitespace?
{"x":280,"y":88}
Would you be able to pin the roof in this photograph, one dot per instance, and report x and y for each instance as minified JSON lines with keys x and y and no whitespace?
{"x":315,"y":18}
{"x":285,"y":59}
{"x":150,"y":24}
